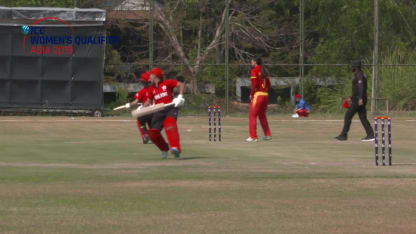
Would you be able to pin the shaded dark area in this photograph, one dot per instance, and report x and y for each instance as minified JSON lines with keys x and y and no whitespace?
{"x":53,"y":74}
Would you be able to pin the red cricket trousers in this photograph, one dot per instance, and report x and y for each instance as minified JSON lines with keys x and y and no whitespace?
{"x":258,"y":108}
{"x":303,"y":113}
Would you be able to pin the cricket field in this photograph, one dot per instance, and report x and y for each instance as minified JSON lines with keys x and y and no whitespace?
{"x":89,"y":175}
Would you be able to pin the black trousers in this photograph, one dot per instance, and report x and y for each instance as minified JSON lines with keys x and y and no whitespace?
{"x":159,"y":117}
{"x":362,"y":113}
{"x":146,"y":120}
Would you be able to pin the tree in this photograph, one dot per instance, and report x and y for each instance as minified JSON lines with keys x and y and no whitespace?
{"x":169,"y":24}
{"x":256,"y":30}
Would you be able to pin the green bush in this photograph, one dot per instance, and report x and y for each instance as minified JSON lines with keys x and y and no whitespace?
{"x":397,"y":83}
{"x":122,"y":97}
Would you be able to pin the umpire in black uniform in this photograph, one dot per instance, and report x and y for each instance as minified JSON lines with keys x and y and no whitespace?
{"x":358,"y":103}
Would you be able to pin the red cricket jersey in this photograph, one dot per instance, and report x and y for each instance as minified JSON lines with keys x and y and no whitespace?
{"x":143,"y":95}
{"x":259,"y":83}
{"x":163,"y":92}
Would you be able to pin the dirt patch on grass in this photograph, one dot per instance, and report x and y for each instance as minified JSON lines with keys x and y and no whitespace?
{"x":206,"y":184}
{"x":347,"y":185}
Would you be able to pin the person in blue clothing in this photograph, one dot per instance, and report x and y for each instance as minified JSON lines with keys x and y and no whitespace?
{"x":302,"y":109}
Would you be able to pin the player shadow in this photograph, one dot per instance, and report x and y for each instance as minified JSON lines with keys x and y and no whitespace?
{"x":191,"y":158}
{"x":404,"y":164}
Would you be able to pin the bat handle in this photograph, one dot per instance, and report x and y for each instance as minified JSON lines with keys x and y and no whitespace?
{"x":118,"y":108}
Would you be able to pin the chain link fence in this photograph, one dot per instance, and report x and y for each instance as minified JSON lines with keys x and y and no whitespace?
{"x":209,"y":44}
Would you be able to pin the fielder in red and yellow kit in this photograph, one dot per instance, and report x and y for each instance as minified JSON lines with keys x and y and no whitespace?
{"x":260,"y":85}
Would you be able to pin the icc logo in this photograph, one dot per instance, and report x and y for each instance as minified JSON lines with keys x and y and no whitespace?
{"x":164,"y":88}
{"x":32,"y":30}
{"x":25,"y":29}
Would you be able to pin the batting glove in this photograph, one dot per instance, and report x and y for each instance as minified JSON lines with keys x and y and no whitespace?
{"x":179,"y":101}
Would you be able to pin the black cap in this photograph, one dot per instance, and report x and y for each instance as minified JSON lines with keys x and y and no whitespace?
{"x":356,"y":63}
{"x":259,"y":61}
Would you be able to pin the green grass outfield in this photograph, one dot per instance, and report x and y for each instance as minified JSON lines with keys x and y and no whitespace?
{"x":87,"y":175}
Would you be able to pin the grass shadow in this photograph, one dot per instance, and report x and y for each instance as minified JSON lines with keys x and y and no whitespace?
{"x":192,"y":158}
{"x":403,"y":164}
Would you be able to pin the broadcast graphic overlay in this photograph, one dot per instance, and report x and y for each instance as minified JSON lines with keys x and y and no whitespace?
{"x":49,"y":40}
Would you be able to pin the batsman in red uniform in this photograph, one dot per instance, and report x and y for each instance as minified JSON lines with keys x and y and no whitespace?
{"x":140,"y":98}
{"x":162,"y":92}
{"x":260,"y":85}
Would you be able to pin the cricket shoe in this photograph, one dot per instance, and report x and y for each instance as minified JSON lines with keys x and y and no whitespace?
{"x":175,"y":152}
{"x":146,"y":139}
{"x":295,"y":116}
{"x":164,"y":154}
{"x":251,"y":139}
{"x":341,"y":138}
{"x":267,"y":138}
{"x":368,"y":138}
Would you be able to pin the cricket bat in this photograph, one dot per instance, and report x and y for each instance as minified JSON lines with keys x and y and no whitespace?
{"x":122,"y":107}
{"x":150,"y":110}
